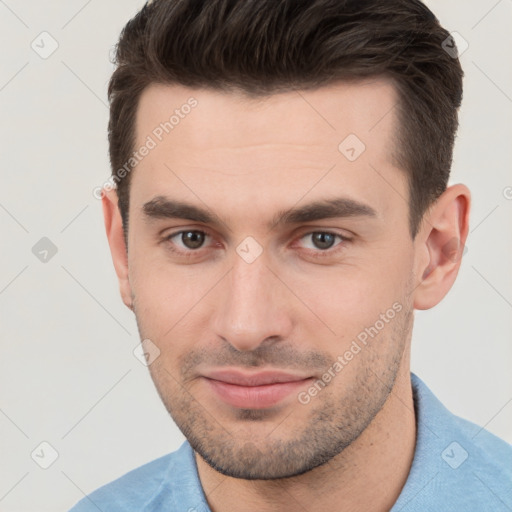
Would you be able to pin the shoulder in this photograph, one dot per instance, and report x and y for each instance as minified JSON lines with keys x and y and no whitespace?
{"x":480,"y":445}
{"x":457,"y":465}
{"x":485,"y":446}
{"x":488,"y":459}
{"x":137,"y":489}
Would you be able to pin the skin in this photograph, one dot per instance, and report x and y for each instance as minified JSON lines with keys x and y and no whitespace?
{"x":297,"y":306}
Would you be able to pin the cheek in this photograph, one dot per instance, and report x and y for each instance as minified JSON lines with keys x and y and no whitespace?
{"x":167,"y":297}
{"x":349,"y":297}
{"x":356,"y":302}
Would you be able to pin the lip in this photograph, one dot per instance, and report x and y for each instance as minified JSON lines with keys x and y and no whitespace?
{"x":259,"y":390}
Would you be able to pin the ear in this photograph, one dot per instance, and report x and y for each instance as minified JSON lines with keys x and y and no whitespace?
{"x":115,"y":235}
{"x":440,"y":245}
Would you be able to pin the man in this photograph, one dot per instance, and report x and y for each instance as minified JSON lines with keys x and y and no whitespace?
{"x":281,"y":208}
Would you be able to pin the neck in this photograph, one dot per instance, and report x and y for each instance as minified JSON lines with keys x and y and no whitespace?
{"x":368,"y":475}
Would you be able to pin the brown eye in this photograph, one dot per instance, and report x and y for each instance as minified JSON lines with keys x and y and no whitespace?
{"x":192,"y":239}
{"x":186,"y":241}
{"x":189,"y":245}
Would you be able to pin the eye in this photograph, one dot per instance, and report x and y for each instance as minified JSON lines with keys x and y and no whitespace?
{"x":322,"y":240}
{"x":190,"y":240}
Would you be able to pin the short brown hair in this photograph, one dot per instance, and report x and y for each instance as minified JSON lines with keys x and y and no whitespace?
{"x":266,"y":46}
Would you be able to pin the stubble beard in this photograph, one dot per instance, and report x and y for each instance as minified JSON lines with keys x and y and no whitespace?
{"x":337,"y":416}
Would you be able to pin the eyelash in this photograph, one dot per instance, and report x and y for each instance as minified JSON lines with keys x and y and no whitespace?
{"x":316,"y":253}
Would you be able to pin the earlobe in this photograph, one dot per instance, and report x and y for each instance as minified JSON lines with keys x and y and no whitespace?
{"x":443,"y":238}
{"x":115,"y":236}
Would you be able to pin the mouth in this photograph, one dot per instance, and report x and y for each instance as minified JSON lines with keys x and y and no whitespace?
{"x":253,"y":390}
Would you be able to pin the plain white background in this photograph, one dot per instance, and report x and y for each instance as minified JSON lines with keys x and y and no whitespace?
{"x":68,"y":375}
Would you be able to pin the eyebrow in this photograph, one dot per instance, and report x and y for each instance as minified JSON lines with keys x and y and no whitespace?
{"x":165,"y":208}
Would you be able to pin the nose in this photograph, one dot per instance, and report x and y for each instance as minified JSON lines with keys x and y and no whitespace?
{"x":252,"y":307}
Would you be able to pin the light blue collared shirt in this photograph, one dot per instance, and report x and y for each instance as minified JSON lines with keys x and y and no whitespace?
{"x":457,"y":467}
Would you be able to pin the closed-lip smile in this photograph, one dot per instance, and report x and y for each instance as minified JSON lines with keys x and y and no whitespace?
{"x":253,"y":390}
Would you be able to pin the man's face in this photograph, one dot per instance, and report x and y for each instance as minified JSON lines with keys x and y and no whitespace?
{"x":252,"y":309}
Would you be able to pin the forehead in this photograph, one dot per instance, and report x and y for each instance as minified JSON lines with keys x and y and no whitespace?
{"x":279,"y":147}
{"x":324,"y":114}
